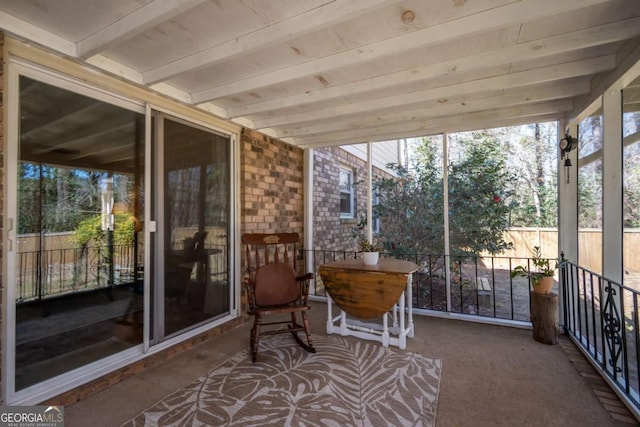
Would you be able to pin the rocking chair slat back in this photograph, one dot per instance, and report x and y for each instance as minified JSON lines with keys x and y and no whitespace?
{"x":263,"y":249}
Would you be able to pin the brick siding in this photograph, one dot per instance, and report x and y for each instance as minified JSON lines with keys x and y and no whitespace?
{"x":330,"y":232}
{"x":271,"y":185}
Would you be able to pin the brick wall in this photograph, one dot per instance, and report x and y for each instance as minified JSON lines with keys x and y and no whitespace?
{"x":330,"y":231}
{"x":271,"y":185}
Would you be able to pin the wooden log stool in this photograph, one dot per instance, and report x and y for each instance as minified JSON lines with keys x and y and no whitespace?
{"x":544,"y":317}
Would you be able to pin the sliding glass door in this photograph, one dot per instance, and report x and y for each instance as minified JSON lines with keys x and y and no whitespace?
{"x":98,"y":259}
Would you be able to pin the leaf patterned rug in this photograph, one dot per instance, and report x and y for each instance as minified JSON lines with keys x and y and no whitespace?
{"x":346,"y":383}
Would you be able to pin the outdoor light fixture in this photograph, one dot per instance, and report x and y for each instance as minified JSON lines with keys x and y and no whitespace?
{"x":567,"y":144}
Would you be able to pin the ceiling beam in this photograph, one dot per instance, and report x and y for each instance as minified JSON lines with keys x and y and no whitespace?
{"x":27,"y":31}
{"x":470,"y":123}
{"x":309,"y":21}
{"x":60,"y":117}
{"x":92,"y":132}
{"x":594,"y":36}
{"x":627,"y":69}
{"x":147,"y":16}
{"x":464,"y":105}
{"x":512,"y":13}
{"x":523,"y":78}
{"x":371,"y":134}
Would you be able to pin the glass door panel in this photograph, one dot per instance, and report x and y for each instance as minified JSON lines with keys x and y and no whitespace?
{"x":78,"y":283}
{"x":195,"y":174}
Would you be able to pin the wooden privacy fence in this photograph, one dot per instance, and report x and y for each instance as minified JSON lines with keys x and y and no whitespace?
{"x":589,"y":246}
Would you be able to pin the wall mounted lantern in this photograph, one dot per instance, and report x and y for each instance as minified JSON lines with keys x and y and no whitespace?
{"x":567,"y":144}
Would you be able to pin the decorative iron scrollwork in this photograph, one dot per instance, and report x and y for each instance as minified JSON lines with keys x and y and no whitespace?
{"x":612,"y":327}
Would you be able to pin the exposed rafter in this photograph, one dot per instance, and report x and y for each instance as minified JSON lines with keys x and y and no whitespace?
{"x":145,"y":17}
{"x":27,"y":31}
{"x":424,"y":125}
{"x":330,"y":72}
{"x":465,"y":25}
{"x":453,"y":107}
{"x":304,"y":23}
{"x":523,"y":78}
{"x":588,"y":37}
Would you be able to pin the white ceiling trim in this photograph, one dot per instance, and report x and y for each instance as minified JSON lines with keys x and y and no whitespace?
{"x":513,"y":13}
{"x":589,"y":37}
{"x":312,"y":20}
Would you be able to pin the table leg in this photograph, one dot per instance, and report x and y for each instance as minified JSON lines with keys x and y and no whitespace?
{"x":329,"y":315}
{"x":385,"y":331}
{"x":395,"y":315}
{"x":343,"y":324}
{"x":410,"y":304}
{"x":402,"y":337}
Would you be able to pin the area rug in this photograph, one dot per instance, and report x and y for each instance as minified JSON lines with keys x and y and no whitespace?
{"x":346,"y":383}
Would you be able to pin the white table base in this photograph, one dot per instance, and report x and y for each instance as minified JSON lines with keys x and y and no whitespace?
{"x":395,"y":335}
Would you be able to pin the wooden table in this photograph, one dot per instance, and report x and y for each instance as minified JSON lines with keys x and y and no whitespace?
{"x":366,"y":292}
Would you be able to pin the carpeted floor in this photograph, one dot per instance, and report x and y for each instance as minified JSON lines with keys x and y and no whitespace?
{"x":346,"y":384}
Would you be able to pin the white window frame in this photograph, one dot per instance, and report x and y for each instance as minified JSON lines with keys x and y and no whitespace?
{"x":375,"y":222}
{"x":349,"y":171}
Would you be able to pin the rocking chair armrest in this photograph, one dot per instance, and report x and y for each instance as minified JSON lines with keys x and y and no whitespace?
{"x":304,"y":287}
{"x":307,"y":276}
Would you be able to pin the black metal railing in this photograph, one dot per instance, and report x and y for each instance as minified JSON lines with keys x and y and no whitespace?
{"x":479,"y":286}
{"x":46,"y":273}
{"x":53,"y":272}
{"x":601,"y":316}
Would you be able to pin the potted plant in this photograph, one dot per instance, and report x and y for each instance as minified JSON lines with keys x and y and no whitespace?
{"x":370,"y":252}
{"x":541,"y":273}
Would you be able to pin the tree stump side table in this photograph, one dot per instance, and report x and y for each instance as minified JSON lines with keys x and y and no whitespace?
{"x":544,"y":317}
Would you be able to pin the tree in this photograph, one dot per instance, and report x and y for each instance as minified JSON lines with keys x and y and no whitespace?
{"x":411,"y":205}
{"x":478,"y":194}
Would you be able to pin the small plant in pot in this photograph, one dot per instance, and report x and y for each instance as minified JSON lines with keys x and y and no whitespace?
{"x":370,"y":252}
{"x":541,"y":272}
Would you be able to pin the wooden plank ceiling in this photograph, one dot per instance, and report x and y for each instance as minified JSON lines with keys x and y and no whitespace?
{"x":328,"y":72}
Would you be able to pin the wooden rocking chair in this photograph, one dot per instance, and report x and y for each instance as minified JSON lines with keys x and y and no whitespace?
{"x":273,"y":287}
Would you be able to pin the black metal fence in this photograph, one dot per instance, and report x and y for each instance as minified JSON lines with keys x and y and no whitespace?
{"x":601,"y":316}
{"x":42,"y":274}
{"x":53,"y":272}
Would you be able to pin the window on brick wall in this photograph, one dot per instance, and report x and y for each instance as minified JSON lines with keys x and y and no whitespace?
{"x":346,"y":193}
{"x":375,"y":225}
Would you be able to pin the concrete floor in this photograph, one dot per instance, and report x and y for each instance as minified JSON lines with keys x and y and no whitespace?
{"x":491,"y":376}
